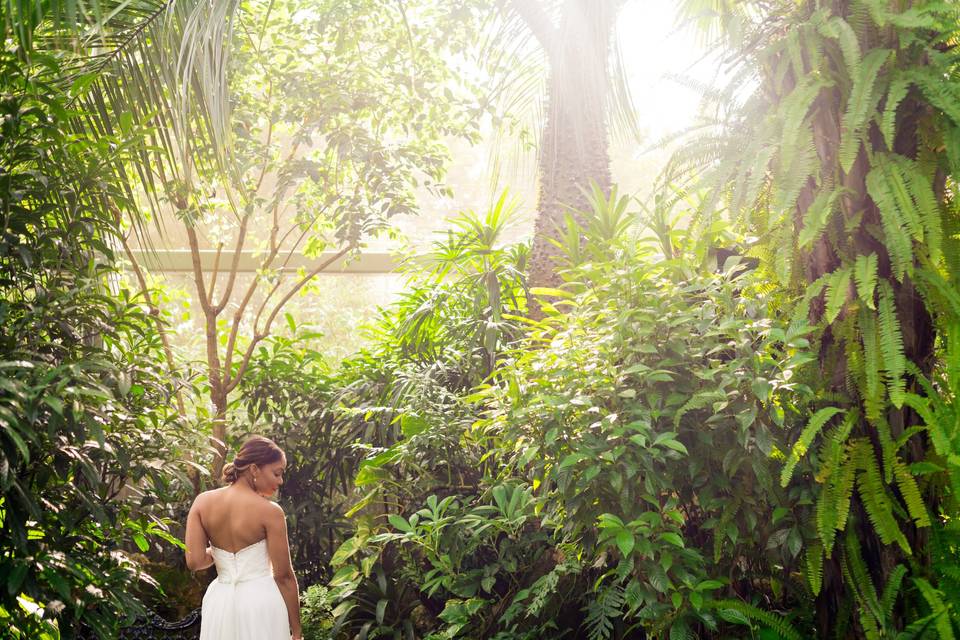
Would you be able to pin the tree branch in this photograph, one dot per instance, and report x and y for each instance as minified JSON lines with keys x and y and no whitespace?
{"x":198,"y":268}
{"x":232,"y":382}
{"x":241,"y":239}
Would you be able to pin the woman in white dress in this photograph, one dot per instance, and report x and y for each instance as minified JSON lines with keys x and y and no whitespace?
{"x":236,"y":528}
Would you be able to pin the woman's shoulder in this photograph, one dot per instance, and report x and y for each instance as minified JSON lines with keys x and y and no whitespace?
{"x":205,"y":497}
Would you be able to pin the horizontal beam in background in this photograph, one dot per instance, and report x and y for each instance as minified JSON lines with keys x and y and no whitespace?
{"x":178,"y":260}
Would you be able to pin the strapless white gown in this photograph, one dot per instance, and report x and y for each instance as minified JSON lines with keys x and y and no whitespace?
{"x":244,"y":602}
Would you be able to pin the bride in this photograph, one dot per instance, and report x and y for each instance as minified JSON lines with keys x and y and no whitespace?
{"x":255,"y":595}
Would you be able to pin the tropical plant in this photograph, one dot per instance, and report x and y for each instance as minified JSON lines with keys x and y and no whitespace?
{"x":587,"y":99}
{"x":836,"y":148}
{"x":628,"y":455}
{"x":86,"y":432}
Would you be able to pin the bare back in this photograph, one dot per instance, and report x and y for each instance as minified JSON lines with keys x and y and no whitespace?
{"x":233,"y":519}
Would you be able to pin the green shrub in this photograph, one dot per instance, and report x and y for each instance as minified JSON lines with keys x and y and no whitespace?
{"x":628,"y":451}
{"x":85,"y":433}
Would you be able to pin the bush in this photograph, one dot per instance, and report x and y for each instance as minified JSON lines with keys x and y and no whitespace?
{"x":625,"y":457}
{"x":85,"y":430}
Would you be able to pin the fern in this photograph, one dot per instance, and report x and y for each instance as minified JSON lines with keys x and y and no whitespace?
{"x":872,"y":390}
{"x":833,"y":503}
{"x":838,"y":286}
{"x":719,"y":536}
{"x":840,"y":30}
{"x":891,"y":345}
{"x":911,"y":494}
{"x":920,"y":188}
{"x":865,"y":275}
{"x":894,"y":220}
{"x":938,"y":437}
{"x":938,"y":608}
{"x":801,"y":313}
{"x":942,"y":95}
{"x":809,"y":432}
{"x":860,"y":582}
{"x":891,"y":590}
{"x":797,"y":162}
{"x":895,"y":95}
{"x":817,"y":216}
{"x":602,"y":611}
{"x":932,"y":282}
{"x":747,"y":612}
{"x":814,"y":567}
{"x":876,"y":500}
{"x":863,"y":100}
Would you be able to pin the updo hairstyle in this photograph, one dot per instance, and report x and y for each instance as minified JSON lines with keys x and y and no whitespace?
{"x":257,"y":450}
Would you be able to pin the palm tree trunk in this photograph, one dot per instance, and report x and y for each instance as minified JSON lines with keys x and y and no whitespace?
{"x":574,"y":148}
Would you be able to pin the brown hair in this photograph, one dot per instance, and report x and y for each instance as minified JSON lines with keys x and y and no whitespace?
{"x":256,"y":450}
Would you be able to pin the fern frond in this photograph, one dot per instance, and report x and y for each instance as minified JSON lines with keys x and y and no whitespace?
{"x":840,"y":30}
{"x":949,"y":298}
{"x":817,"y":216}
{"x":797,"y":161}
{"x":602,"y":611}
{"x":781,"y":627}
{"x":859,"y":579}
{"x":899,"y":87}
{"x":892,"y":219}
{"x":865,"y":275}
{"x":801,"y":313}
{"x":891,"y":345}
{"x":814,"y":567}
{"x":872,"y":390}
{"x":920,"y":188}
{"x":838,"y":287}
{"x":910,"y":493}
{"x":891,"y":590}
{"x":939,"y":609}
{"x":876,"y":500}
{"x":942,"y":95}
{"x":938,"y":436}
{"x":860,"y":106}
{"x":838,"y":471}
{"x":887,"y":448}
{"x":815,"y":424}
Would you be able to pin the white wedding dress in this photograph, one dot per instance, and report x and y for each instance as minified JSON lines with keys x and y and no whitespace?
{"x":244,"y":602}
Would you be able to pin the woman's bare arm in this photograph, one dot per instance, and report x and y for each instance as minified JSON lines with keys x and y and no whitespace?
{"x":197,"y":551}
{"x":278,"y":547}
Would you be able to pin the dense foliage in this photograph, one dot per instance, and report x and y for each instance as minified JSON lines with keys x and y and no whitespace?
{"x":590,"y":485}
{"x":86,"y":432}
{"x":842,"y":159}
{"x":683,"y":445}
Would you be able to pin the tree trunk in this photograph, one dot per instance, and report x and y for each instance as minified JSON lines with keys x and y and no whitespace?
{"x":917,"y":326}
{"x":574,"y":146}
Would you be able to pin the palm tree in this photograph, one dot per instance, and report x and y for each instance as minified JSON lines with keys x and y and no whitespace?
{"x":582,"y":93}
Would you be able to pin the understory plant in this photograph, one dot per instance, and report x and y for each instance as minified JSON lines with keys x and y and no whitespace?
{"x":627,"y":459}
{"x":86,"y":432}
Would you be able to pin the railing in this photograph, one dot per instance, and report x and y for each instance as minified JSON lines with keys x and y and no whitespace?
{"x":156,"y":628}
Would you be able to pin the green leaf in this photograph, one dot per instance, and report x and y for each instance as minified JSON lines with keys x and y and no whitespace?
{"x":865,"y":275}
{"x":399,"y":522}
{"x":625,"y":542}
{"x":141,"y":542}
{"x":799,"y":450}
{"x":863,"y":99}
{"x":672,"y":538}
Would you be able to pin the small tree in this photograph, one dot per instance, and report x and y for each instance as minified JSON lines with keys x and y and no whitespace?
{"x":325,"y":148}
